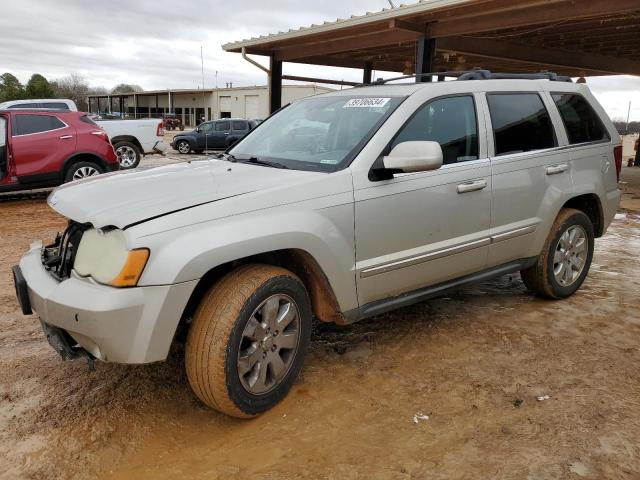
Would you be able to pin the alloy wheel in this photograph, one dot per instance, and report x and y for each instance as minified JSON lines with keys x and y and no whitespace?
{"x":126,"y":156}
{"x":183,"y":147}
{"x":570,"y":256}
{"x":84,"y":172}
{"x":269,"y":343}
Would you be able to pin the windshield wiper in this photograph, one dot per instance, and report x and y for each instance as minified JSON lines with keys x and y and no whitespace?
{"x":260,"y":161}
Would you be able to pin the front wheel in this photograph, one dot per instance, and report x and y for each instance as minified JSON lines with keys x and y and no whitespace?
{"x":248,"y":339}
{"x":183,"y":147}
{"x":566,"y":257}
{"x":81,"y":170}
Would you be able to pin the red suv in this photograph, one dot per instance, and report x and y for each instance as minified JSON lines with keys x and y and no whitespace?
{"x":47,"y":148}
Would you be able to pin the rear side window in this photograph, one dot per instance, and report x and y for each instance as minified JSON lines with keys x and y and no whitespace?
{"x":56,"y":105}
{"x":28,"y":124}
{"x":33,"y":106}
{"x":240,"y":126}
{"x":581,"y":122}
{"x":521,"y":123}
{"x":449,"y":121}
{"x":222,"y":126}
{"x":87,"y":120}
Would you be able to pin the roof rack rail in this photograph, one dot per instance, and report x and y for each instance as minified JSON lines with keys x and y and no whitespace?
{"x":477,"y":74}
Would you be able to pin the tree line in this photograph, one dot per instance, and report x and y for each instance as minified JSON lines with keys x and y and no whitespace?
{"x":623,"y":128}
{"x":74,"y":87}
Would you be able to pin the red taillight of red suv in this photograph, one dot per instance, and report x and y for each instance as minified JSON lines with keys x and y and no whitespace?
{"x":160,"y":130}
{"x":617,"y":155}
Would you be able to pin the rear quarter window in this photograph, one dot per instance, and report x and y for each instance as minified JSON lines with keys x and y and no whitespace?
{"x":30,"y":124}
{"x":56,"y":106}
{"x":581,"y":122}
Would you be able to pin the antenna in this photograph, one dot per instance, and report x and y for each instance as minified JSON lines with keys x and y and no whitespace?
{"x":204,"y":99}
{"x":391,"y":3}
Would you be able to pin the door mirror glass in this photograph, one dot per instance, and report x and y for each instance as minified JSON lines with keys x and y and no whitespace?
{"x":415,"y":156}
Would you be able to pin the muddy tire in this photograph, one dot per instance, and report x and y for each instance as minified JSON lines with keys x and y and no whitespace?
{"x":565,"y":259}
{"x":248,"y":339}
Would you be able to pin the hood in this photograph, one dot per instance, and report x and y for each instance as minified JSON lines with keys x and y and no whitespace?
{"x":122,"y":199}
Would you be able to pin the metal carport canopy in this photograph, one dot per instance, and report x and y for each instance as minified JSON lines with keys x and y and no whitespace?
{"x":576,"y":38}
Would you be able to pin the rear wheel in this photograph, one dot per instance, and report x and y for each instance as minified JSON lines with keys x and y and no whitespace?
{"x":81,"y":170}
{"x":128,"y":155}
{"x":566,"y":257}
{"x":183,"y":147}
{"x":248,"y":340}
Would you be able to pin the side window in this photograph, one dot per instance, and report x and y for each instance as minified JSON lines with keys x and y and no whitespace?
{"x":581,"y":122}
{"x":206,"y":127}
{"x":240,"y":126}
{"x":56,"y":105}
{"x":31,"y":105}
{"x":452,"y":122}
{"x":28,"y":124}
{"x":223,"y":126}
{"x":521,"y":123}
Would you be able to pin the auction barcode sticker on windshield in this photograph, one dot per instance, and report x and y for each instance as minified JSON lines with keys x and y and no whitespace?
{"x":366,"y":102}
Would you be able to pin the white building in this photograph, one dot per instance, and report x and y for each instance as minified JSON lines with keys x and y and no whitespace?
{"x":235,"y":102}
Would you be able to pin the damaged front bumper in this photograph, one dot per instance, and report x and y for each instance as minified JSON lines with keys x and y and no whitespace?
{"x":123,"y":325}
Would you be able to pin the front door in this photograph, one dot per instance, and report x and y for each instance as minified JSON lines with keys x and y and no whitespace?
{"x":40,"y":142}
{"x":420,"y":229}
{"x":204,"y":138}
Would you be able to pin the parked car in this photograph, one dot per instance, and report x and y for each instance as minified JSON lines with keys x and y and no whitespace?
{"x":412,"y":190}
{"x":133,"y":138}
{"x":47,"y":148}
{"x":172,"y":122}
{"x":39,"y":104}
{"x":219,"y":134}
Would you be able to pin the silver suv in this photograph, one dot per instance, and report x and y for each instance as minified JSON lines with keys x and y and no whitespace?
{"x":338,"y":207}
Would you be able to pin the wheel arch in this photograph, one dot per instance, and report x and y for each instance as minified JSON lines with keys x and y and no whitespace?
{"x":301,"y":263}
{"x":127,"y":138}
{"x":590,"y":205}
{"x":82,"y":157}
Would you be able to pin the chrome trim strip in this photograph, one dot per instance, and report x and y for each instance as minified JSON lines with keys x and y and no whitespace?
{"x":464,"y":247}
{"x":513,"y":233}
{"x":407,"y":262}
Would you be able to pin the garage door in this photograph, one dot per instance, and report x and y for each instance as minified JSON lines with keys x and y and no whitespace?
{"x":225,"y":106}
{"x":251,"y":106}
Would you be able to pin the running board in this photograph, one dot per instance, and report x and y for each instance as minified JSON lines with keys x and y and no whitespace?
{"x":388,"y":304}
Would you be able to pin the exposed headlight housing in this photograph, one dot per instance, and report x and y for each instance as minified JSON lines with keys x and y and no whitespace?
{"x":103,"y":256}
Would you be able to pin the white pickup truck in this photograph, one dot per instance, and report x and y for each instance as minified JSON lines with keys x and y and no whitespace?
{"x":133,"y":138}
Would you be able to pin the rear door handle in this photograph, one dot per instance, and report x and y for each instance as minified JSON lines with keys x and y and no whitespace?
{"x":472,"y":186}
{"x":556,"y":169}
{"x":66,"y":137}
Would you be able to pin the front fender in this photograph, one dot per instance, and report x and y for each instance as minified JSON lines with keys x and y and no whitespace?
{"x":190,"y":252}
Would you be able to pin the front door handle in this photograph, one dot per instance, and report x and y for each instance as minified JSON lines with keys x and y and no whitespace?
{"x":472,"y":186}
{"x":66,"y":137}
{"x":556,"y":169}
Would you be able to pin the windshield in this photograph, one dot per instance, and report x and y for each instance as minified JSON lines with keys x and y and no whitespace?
{"x":320,"y":133}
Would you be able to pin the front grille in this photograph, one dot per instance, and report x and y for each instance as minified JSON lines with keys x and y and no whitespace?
{"x":58,"y":257}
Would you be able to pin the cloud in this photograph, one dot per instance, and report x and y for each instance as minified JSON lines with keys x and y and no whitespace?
{"x":156,"y":43}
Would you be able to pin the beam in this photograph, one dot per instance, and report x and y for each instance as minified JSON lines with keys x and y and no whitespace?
{"x":372,"y":40}
{"x":319,"y":80}
{"x":535,"y":15}
{"x":396,"y":24}
{"x":275,"y":84}
{"x":544,"y":56}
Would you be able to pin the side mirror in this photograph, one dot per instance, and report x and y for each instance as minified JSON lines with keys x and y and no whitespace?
{"x":420,"y":156}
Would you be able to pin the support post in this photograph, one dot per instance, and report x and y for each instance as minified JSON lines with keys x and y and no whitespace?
{"x":275,"y":84}
{"x":425,"y":53}
{"x":156,"y":105}
{"x":366,"y":74}
{"x":135,"y":106}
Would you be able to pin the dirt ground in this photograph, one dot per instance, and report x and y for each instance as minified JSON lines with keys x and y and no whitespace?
{"x":474,"y":363}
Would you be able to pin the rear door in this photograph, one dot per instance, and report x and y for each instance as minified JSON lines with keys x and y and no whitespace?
{"x":221,"y":130}
{"x":530,"y":173}
{"x":40,"y":143}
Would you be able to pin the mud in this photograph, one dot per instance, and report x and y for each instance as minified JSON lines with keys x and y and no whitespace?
{"x":474,"y":363}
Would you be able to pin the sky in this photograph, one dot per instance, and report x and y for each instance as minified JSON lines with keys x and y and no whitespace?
{"x":156,"y":43}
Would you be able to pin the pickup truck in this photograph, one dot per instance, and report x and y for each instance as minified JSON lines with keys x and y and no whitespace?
{"x":133,"y":138}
